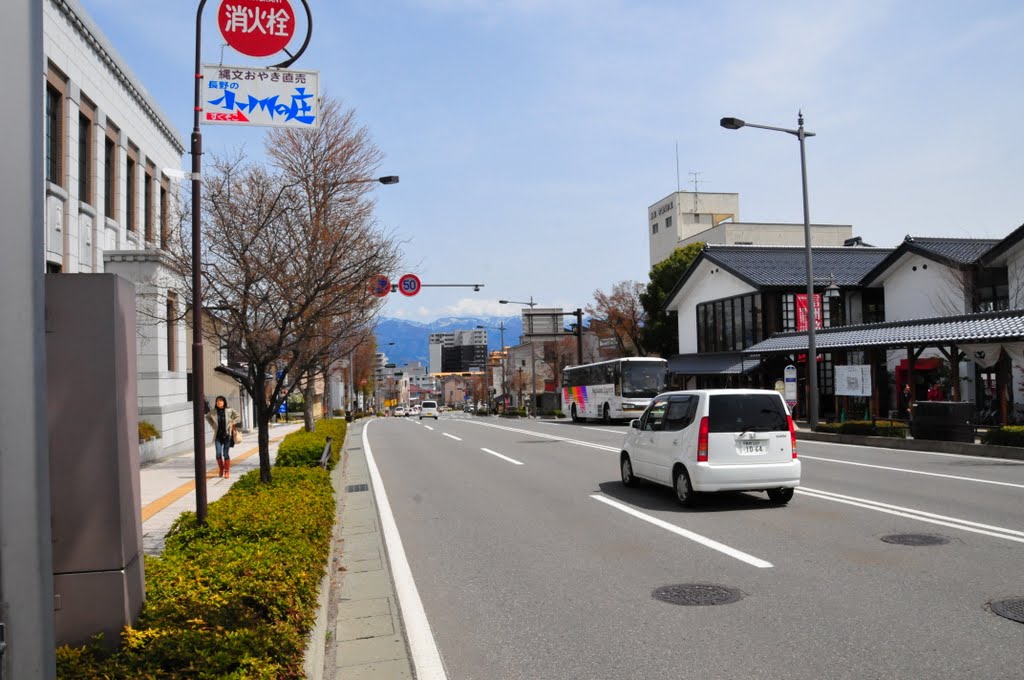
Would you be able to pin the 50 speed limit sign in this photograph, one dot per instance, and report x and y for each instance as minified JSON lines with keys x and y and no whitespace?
{"x":409,"y":285}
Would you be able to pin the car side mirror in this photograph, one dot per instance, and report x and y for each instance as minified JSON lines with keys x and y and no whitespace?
{"x":635,"y":424}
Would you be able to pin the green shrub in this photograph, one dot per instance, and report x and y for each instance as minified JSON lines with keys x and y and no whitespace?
{"x":1009,"y":435}
{"x":877,"y":428}
{"x":235,"y":598}
{"x":147,"y":431}
{"x":303,"y":449}
{"x":829,"y":428}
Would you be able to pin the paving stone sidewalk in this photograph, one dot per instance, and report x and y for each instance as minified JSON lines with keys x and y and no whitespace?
{"x":366,"y":639}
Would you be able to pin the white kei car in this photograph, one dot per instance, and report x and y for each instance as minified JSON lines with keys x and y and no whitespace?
{"x":714,"y":440}
{"x":428,"y":409}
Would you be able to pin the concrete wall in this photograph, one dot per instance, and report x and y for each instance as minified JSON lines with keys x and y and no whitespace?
{"x":708,"y":283}
{"x":769,"y":234}
{"x":691,"y":213}
{"x":919,"y":288}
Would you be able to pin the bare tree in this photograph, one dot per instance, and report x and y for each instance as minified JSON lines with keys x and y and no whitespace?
{"x":622,"y":312}
{"x":288,"y":251}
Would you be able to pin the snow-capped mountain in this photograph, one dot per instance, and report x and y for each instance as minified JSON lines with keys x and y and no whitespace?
{"x":412,"y":338}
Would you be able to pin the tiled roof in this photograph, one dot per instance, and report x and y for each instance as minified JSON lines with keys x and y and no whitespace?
{"x":1012,"y":239}
{"x":969,"y":328}
{"x":959,"y":250}
{"x":778,"y":266}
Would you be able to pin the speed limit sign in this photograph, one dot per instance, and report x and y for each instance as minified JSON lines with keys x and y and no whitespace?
{"x":409,"y":285}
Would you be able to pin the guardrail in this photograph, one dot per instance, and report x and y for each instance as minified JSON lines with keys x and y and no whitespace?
{"x":325,"y":457}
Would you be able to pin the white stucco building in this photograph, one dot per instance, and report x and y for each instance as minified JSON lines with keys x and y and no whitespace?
{"x":109,"y":156}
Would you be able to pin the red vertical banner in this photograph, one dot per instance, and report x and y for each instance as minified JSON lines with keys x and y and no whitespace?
{"x":801,"y":312}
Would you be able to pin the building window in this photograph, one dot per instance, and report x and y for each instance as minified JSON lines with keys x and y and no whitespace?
{"x":873,"y":305}
{"x":147,"y":206}
{"x":165,"y":207}
{"x":654,"y":229}
{"x":131,"y":198}
{"x":84,"y":159}
{"x":54,"y":138}
{"x":991,"y":289}
{"x":729,"y":325}
{"x":172,"y":331}
{"x":110,"y":178}
{"x":668,"y":222}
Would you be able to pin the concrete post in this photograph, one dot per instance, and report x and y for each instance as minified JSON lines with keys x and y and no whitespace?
{"x":26,"y":560}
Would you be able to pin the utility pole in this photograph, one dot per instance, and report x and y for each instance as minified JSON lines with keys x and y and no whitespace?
{"x":579,"y":336}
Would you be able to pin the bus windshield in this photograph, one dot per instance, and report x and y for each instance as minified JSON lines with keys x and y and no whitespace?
{"x":642,"y":379}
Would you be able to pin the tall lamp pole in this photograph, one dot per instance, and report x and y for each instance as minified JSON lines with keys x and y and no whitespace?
{"x":812,"y":353}
{"x":533,"y":353}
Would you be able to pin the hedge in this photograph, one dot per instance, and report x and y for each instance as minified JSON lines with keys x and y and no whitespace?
{"x":236,"y":598}
{"x":870,"y":428}
{"x":1009,"y":435}
{"x":303,"y":449}
{"x":147,"y":431}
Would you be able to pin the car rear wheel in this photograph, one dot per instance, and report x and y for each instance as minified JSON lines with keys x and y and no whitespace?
{"x":684,"y":491}
{"x":780,"y":496}
{"x":626,"y":469}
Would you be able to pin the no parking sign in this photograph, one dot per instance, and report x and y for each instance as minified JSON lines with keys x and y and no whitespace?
{"x":409,"y":285}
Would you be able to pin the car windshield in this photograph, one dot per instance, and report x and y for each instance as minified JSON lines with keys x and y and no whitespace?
{"x":642,"y":379}
{"x":746,"y":413}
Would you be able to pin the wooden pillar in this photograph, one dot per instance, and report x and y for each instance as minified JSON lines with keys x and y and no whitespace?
{"x":873,"y":362}
{"x":1002,"y":387}
{"x":954,"y":371}
{"x":911,"y":379}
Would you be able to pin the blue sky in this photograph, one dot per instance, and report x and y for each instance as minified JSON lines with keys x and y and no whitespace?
{"x":531,"y":135}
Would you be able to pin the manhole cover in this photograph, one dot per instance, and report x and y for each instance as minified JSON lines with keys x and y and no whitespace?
{"x":1010,"y":609}
{"x":915,"y":539}
{"x":697,"y":594}
{"x":356,"y":487}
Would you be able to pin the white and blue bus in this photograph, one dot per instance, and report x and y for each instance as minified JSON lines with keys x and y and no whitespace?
{"x":619,"y":389}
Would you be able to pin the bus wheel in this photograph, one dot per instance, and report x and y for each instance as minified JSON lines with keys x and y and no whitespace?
{"x":607,"y":415}
{"x":575,"y":418}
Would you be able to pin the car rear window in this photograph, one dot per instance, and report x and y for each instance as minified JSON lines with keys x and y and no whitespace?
{"x":751,"y":412}
{"x":430,"y":404}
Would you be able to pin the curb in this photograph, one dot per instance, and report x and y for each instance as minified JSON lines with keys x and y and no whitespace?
{"x":958,"y":448}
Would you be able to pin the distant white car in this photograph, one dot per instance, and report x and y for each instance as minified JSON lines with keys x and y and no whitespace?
{"x":399,"y":411}
{"x":428,"y":410}
{"x":714,"y":440}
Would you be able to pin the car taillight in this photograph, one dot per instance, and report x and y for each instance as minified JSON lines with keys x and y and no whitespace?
{"x":792,"y":433}
{"x":702,"y":441}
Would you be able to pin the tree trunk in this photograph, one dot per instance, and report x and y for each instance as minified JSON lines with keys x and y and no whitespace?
{"x":263,"y":414}
{"x":308,"y":395}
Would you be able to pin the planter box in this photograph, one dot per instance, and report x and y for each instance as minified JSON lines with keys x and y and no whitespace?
{"x":150,"y":450}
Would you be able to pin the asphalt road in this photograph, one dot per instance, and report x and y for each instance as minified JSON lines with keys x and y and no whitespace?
{"x":545,"y":569}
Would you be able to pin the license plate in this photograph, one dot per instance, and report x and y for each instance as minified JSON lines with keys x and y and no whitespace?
{"x":753,"y":448}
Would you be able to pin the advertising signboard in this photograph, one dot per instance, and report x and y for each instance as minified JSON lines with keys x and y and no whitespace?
{"x":241,"y":95}
{"x":801,"y":312}
{"x":853,"y":381}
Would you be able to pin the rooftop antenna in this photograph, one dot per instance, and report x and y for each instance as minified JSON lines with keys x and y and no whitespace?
{"x":678,"y":187}
{"x":696,"y":181}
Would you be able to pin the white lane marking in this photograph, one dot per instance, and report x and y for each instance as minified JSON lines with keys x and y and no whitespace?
{"x":422,"y":645}
{"x":451,"y":436}
{"x":429,"y":427}
{"x":926,"y":453}
{"x":919,"y":515}
{"x":584,"y":427}
{"x":578,"y":442}
{"x":914,"y":472}
{"x":679,"y":531}
{"x":495,"y":453}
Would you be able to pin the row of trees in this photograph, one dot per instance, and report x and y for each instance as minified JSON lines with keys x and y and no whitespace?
{"x":633,"y":314}
{"x":289,"y":245}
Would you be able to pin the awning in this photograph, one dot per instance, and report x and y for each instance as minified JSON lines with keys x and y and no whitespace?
{"x":717,"y":363}
{"x":989,"y":327}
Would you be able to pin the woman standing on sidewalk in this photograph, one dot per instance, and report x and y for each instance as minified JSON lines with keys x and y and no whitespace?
{"x":223,"y":420}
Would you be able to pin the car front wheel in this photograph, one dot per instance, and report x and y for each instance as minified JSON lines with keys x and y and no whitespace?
{"x":626,"y":469}
{"x":780,"y":496}
{"x":684,"y":491}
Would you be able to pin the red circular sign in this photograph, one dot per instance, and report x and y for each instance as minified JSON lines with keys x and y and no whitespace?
{"x":409,"y":285}
{"x":257,"y":28}
{"x":380,"y":285}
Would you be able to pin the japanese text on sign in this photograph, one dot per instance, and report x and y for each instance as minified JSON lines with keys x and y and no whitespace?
{"x":252,"y":96}
{"x":257,"y":28}
{"x":801,"y":312}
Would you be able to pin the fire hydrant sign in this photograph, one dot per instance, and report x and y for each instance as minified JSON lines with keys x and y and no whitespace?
{"x":239,"y":95}
{"x":256,"y":28}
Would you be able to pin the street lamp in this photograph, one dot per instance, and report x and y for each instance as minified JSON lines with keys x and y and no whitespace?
{"x":386,"y":179}
{"x":812,"y":353}
{"x":533,"y":353}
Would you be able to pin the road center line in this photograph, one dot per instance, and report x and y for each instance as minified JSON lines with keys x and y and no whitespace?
{"x":422,"y":645}
{"x":919,"y":515}
{"x":451,"y":436}
{"x":913,"y":472}
{"x":578,"y":442}
{"x":429,"y":427}
{"x":679,"y":531}
{"x":495,"y":453}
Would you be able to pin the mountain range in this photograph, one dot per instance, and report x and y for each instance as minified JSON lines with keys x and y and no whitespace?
{"x":412,"y":338}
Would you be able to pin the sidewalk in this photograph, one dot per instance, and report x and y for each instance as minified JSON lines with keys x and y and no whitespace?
{"x":168,"y":486}
{"x":366,"y":640}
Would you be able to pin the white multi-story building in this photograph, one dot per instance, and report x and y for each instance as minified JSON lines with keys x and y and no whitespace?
{"x":476,"y":337}
{"x":686,"y":217}
{"x":110,"y":153}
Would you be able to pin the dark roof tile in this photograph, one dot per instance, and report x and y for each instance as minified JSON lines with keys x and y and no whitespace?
{"x":783,"y":266}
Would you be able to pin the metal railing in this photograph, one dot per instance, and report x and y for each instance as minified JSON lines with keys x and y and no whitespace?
{"x":325,"y":457}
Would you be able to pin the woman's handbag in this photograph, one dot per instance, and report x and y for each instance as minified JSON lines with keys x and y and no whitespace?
{"x":236,"y":435}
